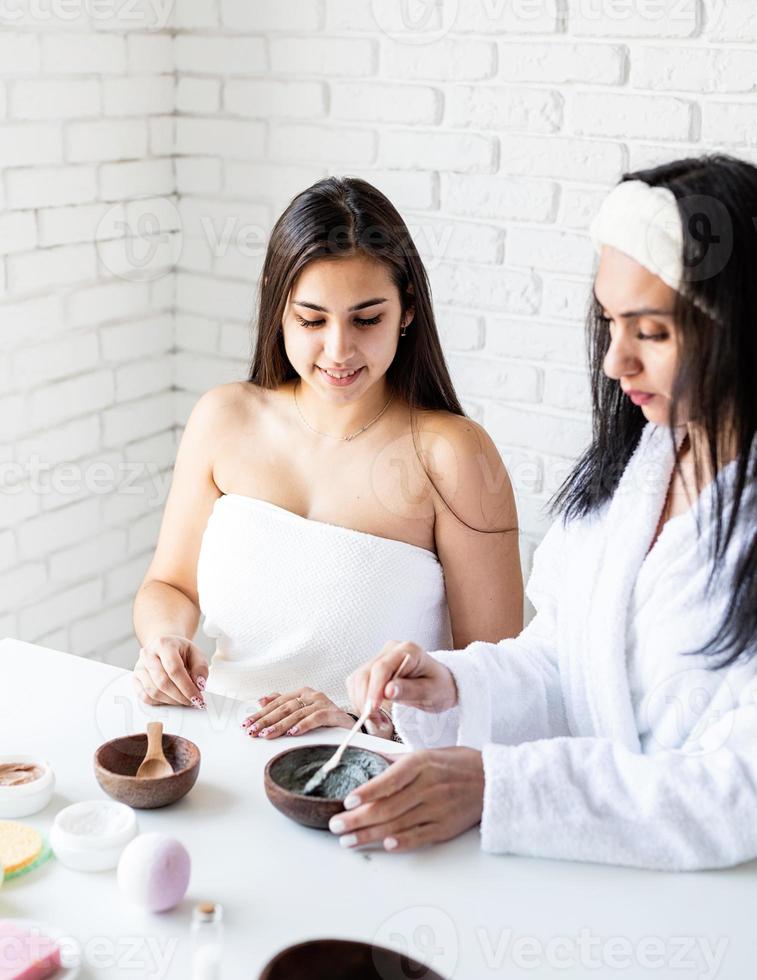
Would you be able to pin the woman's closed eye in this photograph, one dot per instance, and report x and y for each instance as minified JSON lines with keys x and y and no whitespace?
{"x":359,"y":321}
{"x":308,"y":323}
{"x":607,"y":321}
{"x":655,"y":332}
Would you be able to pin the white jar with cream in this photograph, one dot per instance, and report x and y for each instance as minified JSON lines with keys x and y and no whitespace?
{"x":26,"y":785}
{"x":89,"y":836}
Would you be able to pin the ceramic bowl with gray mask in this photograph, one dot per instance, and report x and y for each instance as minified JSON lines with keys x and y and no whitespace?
{"x":287,"y":773}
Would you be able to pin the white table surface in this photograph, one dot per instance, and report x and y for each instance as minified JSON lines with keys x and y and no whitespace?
{"x":468,"y":914}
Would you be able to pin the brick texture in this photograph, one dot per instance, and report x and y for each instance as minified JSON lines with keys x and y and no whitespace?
{"x":141,"y":168}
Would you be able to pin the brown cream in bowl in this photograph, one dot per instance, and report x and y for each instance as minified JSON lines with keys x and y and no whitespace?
{"x":18,"y":773}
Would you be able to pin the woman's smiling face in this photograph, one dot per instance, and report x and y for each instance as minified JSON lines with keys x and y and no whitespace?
{"x":643,"y":352}
{"x":341,"y":325}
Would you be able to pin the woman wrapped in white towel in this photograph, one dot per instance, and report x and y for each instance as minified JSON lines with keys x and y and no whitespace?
{"x":621,"y":725}
{"x":337,"y":497}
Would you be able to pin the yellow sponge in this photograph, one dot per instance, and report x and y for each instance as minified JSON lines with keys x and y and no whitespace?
{"x":20,"y":845}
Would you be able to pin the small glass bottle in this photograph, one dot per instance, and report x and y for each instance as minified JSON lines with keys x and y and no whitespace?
{"x":207,"y":941}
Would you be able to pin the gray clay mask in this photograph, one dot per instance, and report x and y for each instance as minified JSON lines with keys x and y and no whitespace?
{"x":356,"y":768}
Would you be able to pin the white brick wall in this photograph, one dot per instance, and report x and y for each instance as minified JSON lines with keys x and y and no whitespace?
{"x":497,"y":139}
{"x":141,"y":167}
{"x":76,"y":341}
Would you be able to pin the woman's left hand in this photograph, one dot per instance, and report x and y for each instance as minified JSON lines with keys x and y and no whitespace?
{"x":422,"y":798}
{"x":294,"y":714}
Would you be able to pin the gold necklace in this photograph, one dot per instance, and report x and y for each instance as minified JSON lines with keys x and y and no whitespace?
{"x":328,"y":435}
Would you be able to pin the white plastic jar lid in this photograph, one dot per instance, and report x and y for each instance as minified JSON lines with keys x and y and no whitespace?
{"x":95,"y":825}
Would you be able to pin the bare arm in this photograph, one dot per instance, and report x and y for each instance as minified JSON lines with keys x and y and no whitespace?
{"x":476,"y":532}
{"x":162,"y":609}
{"x":476,"y":536}
{"x":166,"y":607}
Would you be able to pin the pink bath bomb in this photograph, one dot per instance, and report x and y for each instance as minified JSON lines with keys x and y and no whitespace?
{"x":153,"y":871}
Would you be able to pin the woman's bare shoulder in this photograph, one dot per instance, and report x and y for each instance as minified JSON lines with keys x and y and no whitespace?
{"x":443,"y":432}
{"x":466,"y":465}
{"x":235,"y":401}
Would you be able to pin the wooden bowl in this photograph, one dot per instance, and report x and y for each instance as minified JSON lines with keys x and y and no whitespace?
{"x":341,"y":959}
{"x":116,"y":763}
{"x":311,"y":811}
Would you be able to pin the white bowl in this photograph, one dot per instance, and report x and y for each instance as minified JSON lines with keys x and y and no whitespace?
{"x":81,"y":843}
{"x":28,"y":798}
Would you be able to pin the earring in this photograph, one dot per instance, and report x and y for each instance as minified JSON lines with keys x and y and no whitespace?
{"x":403,"y":332}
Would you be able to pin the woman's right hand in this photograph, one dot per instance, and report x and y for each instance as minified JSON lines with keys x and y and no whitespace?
{"x":171,"y":670}
{"x":425,"y":683}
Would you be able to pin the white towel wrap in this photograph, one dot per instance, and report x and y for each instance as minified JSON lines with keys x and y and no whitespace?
{"x":295,"y":602}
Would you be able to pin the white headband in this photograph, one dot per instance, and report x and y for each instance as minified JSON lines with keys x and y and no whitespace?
{"x":643,"y":222}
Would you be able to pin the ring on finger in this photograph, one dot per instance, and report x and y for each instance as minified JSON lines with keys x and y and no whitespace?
{"x":301,"y":703}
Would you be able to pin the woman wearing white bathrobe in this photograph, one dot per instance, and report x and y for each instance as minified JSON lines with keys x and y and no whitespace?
{"x":621,"y":725}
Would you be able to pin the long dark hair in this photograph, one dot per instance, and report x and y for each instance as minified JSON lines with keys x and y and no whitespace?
{"x":336,"y":218}
{"x":715,"y":316}
{"x":340,"y":217}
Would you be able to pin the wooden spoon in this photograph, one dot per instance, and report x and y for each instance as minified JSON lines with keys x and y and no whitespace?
{"x":154,"y":764}
{"x":318,"y":777}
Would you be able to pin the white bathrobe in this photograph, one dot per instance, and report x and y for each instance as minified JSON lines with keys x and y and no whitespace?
{"x":602,"y":740}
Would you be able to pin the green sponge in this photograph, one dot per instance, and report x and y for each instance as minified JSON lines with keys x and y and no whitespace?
{"x":43,"y":856}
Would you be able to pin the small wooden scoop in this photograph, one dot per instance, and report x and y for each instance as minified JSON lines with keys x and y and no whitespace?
{"x":155,"y":763}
